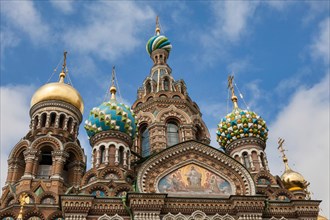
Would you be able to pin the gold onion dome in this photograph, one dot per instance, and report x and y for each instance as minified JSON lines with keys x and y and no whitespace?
{"x":292,"y":180}
{"x":59,"y":91}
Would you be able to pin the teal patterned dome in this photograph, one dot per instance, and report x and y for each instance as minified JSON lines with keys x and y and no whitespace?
{"x":239,"y":124}
{"x":111,"y":116}
{"x":158,"y":42}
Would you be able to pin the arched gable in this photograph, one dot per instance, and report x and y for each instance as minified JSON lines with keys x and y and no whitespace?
{"x":21,"y":145}
{"x":205,"y":161}
{"x":55,"y":143}
{"x":76,"y":150}
{"x":171,"y":112}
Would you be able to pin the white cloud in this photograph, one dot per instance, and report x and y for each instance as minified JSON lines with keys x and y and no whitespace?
{"x":111,"y":29}
{"x":304,"y":124}
{"x":233,"y":18}
{"x":25,"y":17}
{"x":321,"y":47}
{"x":14,"y":112}
{"x":64,"y":6}
{"x":7,"y":40}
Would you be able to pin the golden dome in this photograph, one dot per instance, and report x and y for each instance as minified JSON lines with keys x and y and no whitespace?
{"x":320,"y":217}
{"x":58,"y":91}
{"x":293,"y":181}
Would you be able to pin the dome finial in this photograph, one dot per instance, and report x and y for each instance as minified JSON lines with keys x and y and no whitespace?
{"x":113,"y":87}
{"x":231,"y":87}
{"x":62,"y":74}
{"x":157,"y":31}
{"x":282,"y":150}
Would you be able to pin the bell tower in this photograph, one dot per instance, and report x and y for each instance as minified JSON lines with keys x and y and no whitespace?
{"x":165,"y":112}
{"x":49,"y":159}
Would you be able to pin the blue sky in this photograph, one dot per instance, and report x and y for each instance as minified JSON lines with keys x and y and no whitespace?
{"x":277,"y":50}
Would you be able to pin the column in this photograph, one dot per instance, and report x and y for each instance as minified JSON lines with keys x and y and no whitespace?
{"x":106,"y":160}
{"x":98,"y":157}
{"x":116,"y":156}
{"x":260,"y":163}
{"x":47,"y":120}
{"x":251,"y":162}
{"x":125,"y":159}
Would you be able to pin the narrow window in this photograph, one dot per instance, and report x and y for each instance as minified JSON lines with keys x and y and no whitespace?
{"x":166,"y":84}
{"x":172,"y":134}
{"x":145,"y":141}
{"x":45,"y":163}
{"x":43,"y":120}
{"x":246,"y":160}
{"x":61,"y":122}
{"x":262,"y":158}
{"x":52,"y":119}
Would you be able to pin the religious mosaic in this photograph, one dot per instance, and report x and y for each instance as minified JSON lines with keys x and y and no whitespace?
{"x":194,"y":179}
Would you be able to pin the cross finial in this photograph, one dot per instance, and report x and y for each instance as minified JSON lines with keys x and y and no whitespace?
{"x":231,"y":87}
{"x":282,"y":150}
{"x":113,"y":87}
{"x":157,"y":26}
{"x":62,"y":74}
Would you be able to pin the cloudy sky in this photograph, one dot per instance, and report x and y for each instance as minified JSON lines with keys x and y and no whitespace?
{"x":277,"y":50}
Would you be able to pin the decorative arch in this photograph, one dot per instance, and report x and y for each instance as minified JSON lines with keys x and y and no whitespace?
{"x":264,"y":175}
{"x":8,"y":213}
{"x":53,"y":142}
{"x":106,"y":217}
{"x":33,"y":214}
{"x":173,"y":112}
{"x":109,"y":170}
{"x":90,"y":173}
{"x":187,"y":154}
{"x":55,"y":215}
{"x":145,"y":117}
{"x":98,"y":190}
{"x":18,"y":148}
{"x":122,"y":188}
{"x":47,"y":194}
{"x":77,"y":150}
{"x":282,"y":195}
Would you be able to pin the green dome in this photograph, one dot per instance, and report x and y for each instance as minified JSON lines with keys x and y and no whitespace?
{"x":158,"y":42}
{"x":239,"y":124}
{"x":111,"y":116}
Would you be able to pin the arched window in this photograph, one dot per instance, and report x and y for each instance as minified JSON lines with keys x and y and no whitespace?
{"x":148,"y":87}
{"x":246,"y":160}
{"x":121,"y":155}
{"x":45,"y":163}
{"x":166,"y":84}
{"x":70,"y":122}
{"x":199,"y":136}
{"x":36,"y":122}
{"x":102,"y":154}
{"x":145,"y":144}
{"x":262,"y":158}
{"x":61,"y":122}
{"x":172,"y":134}
{"x":43,"y":120}
{"x":52,"y":119}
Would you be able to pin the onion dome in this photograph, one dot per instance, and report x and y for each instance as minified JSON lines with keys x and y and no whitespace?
{"x":158,"y":41}
{"x":59,"y":91}
{"x":292,"y":180}
{"x":240,"y":124}
{"x":111,"y":116}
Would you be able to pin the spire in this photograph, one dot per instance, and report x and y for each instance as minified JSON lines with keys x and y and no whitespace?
{"x":62,"y":74}
{"x":231,"y":87}
{"x":157,"y":31}
{"x":113,"y":87}
{"x":282,"y":150}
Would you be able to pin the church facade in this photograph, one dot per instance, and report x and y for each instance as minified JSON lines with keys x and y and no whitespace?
{"x":150,"y":161}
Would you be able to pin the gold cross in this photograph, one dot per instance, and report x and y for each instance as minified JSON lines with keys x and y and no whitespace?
{"x":230,"y":85}
{"x":280,"y":146}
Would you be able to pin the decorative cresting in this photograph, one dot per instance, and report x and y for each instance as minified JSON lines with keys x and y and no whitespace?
{"x":292,"y":180}
{"x":240,"y":123}
{"x":59,"y":91}
{"x":111,"y":116}
{"x":204,"y":170}
{"x":196,"y":216}
{"x":158,"y":41}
